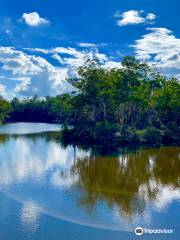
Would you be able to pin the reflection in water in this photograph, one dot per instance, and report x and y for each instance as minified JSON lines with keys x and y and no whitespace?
{"x":131,"y":179}
{"x":27,"y":128}
{"x":30,"y":214}
{"x":3,"y":138}
{"x":115,"y":192}
{"x":23,"y":158}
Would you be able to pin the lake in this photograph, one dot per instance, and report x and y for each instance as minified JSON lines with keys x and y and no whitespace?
{"x":49,"y":190}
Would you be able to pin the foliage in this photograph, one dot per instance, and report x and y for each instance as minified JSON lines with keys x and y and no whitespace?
{"x":49,"y":109}
{"x":5,"y":109}
{"x":131,"y":104}
{"x":135,"y":99}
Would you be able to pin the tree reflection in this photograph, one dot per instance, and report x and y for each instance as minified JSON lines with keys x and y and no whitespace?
{"x":3,"y":138}
{"x":127,"y":181}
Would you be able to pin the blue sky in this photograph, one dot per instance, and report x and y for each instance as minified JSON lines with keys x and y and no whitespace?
{"x":43,"y":42}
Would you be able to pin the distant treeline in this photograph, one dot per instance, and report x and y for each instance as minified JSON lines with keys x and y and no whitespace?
{"x":133,"y":104}
{"x":50,"y":109}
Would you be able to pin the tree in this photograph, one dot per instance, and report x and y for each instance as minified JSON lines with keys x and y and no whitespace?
{"x":5,"y":109}
{"x":133,"y":104}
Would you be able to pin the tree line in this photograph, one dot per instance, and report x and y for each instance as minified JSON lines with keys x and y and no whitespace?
{"x":132,"y":104}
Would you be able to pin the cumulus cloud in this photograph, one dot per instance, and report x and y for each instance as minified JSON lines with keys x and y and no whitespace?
{"x":23,"y":86}
{"x":161,"y":47}
{"x":79,"y":58}
{"x":35,"y":75}
{"x":33,"y":19}
{"x":134,"y":17}
{"x":74,"y":58}
{"x":58,"y":58}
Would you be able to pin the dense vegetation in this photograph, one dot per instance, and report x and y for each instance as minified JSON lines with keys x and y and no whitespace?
{"x":51,"y":109}
{"x":126,"y":105}
{"x":5,"y":109}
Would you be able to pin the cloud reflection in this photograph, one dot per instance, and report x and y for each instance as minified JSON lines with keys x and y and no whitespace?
{"x":22,"y":159}
{"x":117,"y":192}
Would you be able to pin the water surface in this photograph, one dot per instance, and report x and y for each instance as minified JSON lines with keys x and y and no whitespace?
{"x":51,"y":191}
{"x":28,"y":128}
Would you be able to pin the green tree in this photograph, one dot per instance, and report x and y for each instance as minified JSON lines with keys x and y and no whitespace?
{"x":5,"y":109}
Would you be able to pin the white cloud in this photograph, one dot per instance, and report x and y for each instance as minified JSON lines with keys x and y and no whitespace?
{"x":37,"y":50}
{"x":37,"y":75}
{"x":73,"y":58}
{"x":58,"y":58}
{"x":87,"y":45}
{"x":161,"y":47}
{"x":112,"y":64}
{"x":134,"y":17}
{"x":2,"y":90}
{"x":64,"y":50}
{"x":33,"y":19}
{"x":23,"y":86}
{"x":151,"y":16}
{"x":78,"y":58}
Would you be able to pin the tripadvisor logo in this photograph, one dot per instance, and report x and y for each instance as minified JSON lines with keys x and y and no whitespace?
{"x":139,"y":231}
